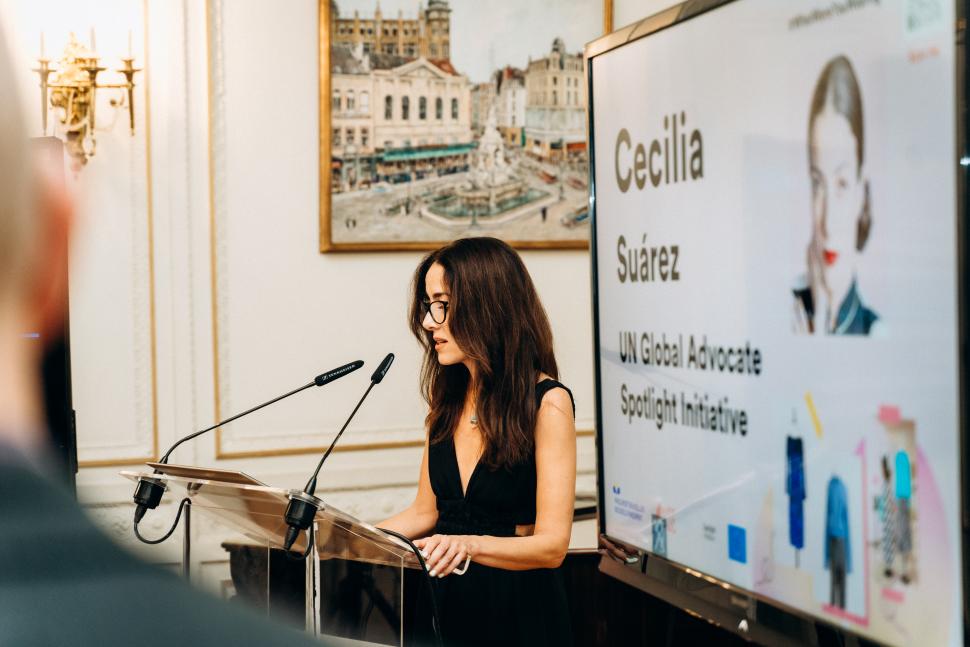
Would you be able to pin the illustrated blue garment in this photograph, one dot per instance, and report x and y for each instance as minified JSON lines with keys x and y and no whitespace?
{"x":904,"y":486}
{"x":837,"y":521}
{"x":795,"y":487}
{"x":853,"y":317}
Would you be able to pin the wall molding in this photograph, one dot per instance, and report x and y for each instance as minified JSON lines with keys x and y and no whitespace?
{"x":139,"y":324}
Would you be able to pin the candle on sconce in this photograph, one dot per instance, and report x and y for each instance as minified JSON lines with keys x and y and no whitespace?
{"x":42,"y":44}
{"x":93,"y":45}
{"x":129,"y":44}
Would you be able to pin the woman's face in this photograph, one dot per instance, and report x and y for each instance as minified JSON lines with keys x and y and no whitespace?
{"x":838,"y":194}
{"x":444,"y":344}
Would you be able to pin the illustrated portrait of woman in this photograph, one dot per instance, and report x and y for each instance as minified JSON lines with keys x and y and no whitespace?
{"x":828,"y":297}
{"x":496,"y":485}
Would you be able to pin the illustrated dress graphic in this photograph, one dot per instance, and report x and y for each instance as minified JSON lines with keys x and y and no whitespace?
{"x":904,"y":515}
{"x":838,"y":554}
{"x":795,"y":488}
{"x":886,"y":505}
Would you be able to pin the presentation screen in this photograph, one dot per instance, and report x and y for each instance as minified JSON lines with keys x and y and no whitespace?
{"x":776,"y":282}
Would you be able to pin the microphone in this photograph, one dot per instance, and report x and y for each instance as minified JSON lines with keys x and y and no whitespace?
{"x":330,"y":376}
{"x":303,"y":506}
{"x":382,"y":369}
{"x":148,"y":492}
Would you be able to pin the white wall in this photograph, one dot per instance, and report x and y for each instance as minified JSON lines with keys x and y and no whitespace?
{"x":282,"y":311}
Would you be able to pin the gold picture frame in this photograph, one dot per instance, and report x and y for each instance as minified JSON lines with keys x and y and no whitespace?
{"x":573,"y":214}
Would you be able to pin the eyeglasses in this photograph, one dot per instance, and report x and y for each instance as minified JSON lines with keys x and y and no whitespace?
{"x":437,"y":309}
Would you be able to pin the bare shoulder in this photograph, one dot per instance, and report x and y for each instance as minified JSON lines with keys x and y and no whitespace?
{"x":555,"y":416}
{"x":557,"y":399}
{"x":555,"y":427}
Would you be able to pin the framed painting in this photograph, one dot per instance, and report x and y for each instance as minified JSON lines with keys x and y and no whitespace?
{"x":451,"y":119}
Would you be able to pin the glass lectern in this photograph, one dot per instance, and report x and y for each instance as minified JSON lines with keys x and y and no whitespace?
{"x":342,"y":545}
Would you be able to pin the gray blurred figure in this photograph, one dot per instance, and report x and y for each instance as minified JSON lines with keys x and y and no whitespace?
{"x":62,"y":582}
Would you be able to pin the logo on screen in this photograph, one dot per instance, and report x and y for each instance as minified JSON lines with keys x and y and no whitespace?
{"x":737,"y":544}
{"x":922,"y":15}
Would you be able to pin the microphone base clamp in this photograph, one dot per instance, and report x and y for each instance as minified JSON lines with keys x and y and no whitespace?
{"x":300,"y":512}
{"x":148,"y":494}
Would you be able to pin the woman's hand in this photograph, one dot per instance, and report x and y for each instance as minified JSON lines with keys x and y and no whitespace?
{"x":444,"y":553}
{"x":617,"y":550}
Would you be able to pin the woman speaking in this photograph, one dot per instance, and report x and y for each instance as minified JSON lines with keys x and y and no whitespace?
{"x":497,"y":479}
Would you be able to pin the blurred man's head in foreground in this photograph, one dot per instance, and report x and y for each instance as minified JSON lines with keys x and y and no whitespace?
{"x":35,"y":217}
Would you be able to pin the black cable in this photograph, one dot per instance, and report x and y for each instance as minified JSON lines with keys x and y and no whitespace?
{"x":310,"y":539}
{"x":175,"y":524}
{"x":435,"y":620}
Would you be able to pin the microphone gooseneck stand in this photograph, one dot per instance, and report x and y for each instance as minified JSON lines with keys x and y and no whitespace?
{"x":304,"y":505}
{"x":149,"y":491}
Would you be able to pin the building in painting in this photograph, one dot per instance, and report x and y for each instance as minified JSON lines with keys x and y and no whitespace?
{"x":510,"y":103}
{"x":482,"y":100}
{"x":555,"y":120}
{"x":395,"y":119}
{"x":428,"y":35}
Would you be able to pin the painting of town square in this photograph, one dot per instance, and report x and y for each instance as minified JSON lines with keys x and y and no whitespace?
{"x":455,"y":118}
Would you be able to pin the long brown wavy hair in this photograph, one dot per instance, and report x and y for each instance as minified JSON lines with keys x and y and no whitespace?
{"x":496,"y":318}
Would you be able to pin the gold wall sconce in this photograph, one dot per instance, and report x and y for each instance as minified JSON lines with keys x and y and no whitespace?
{"x":70,"y":89}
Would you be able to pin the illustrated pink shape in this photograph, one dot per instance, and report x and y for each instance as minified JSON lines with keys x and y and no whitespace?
{"x":845,"y":615}
{"x":893,"y":595}
{"x":889,"y":414}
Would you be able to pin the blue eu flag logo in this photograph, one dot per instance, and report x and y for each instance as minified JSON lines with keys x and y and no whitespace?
{"x":737,"y":544}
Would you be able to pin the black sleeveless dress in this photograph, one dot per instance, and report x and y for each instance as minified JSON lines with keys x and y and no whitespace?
{"x":494,"y":606}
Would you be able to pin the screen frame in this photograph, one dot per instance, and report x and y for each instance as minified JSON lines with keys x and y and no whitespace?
{"x":744,"y":612}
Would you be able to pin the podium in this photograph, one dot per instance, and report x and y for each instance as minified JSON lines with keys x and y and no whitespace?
{"x":256,"y":510}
